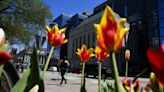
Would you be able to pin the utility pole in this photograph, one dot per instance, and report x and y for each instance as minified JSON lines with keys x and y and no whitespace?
{"x":40,"y":43}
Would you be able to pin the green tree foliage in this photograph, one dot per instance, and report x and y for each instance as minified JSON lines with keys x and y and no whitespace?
{"x":22,"y":19}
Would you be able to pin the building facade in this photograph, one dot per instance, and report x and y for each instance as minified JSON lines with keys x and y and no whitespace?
{"x":25,"y":55}
{"x":146,"y":18}
{"x":85,"y":33}
{"x":71,"y":24}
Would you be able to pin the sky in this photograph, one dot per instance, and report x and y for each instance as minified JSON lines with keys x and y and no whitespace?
{"x":71,"y":7}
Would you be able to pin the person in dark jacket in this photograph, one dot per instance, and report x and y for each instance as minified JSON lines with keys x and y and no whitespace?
{"x":63,"y":65}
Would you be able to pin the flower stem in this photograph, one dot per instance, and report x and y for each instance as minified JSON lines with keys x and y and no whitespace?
{"x":47,"y":62}
{"x":82,"y":76}
{"x":116,"y":75}
{"x":126,"y":71}
{"x":99,"y":76}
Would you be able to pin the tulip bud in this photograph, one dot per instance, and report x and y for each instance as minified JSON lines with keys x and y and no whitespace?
{"x":127,"y":55}
{"x":155,"y":85}
{"x":35,"y":88}
{"x":2,"y":37}
{"x":147,"y":88}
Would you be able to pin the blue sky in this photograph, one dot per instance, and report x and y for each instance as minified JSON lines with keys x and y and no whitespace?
{"x":71,"y":7}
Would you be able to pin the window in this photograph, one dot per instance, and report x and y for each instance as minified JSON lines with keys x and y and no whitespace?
{"x":80,"y":42}
{"x":93,"y":39}
{"x":88,"y":40}
{"x":84,"y":39}
{"x":76,"y":46}
{"x":156,"y":32}
{"x":161,"y":23}
{"x":161,"y":31}
{"x":73,"y":48}
{"x":162,"y":40}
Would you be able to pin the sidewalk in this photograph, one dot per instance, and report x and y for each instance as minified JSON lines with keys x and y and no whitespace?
{"x":52,"y":84}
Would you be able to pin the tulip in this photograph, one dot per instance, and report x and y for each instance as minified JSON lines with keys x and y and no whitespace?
{"x":101,"y":55}
{"x":137,"y":86}
{"x":155,"y":85}
{"x":127,"y":55}
{"x":156,"y":60}
{"x":2,"y":37}
{"x":109,"y":37}
{"x":128,"y":85}
{"x":56,"y":37}
{"x":35,"y":88}
{"x":109,"y":34}
{"x":4,"y":57}
{"x":147,"y":88}
{"x":83,"y":54}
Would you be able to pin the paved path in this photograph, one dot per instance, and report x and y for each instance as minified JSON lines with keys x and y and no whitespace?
{"x":52,"y":82}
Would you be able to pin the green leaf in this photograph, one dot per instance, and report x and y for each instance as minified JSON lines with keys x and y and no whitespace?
{"x":1,"y":68}
{"x":22,"y":83}
{"x":4,"y":47}
{"x":135,"y":78}
{"x":35,"y":77}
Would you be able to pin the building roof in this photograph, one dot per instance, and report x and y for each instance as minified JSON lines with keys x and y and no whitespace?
{"x":98,"y":15}
{"x":103,"y":4}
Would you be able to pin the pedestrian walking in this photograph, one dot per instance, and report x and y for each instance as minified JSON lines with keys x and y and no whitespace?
{"x":22,"y":67}
{"x":17,"y":64}
{"x":63,"y":65}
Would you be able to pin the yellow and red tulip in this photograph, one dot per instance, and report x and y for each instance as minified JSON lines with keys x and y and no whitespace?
{"x":109,"y":34}
{"x":137,"y":86}
{"x":56,"y":37}
{"x":127,"y":55}
{"x":101,"y":55}
{"x":2,"y":37}
{"x":156,"y":60}
{"x":147,"y":88}
{"x":85,"y":54}
{"x":128,"y":85}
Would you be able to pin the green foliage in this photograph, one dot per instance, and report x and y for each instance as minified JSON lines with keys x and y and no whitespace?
{"x":31,"y":77}
{"x":35,"y":77}
{"x":135,"y":78}
{"x":22,"y":83}
{"x":22,"y":19}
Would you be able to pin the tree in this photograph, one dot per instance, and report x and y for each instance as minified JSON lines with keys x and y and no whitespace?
{"x":22,"y":19}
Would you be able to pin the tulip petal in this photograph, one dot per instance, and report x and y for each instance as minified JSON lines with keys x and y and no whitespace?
{"x":48,"y":29}
{"x":124,"y":31}
{"x":65,"y":41}
{"x":35,"y":88}
{"x":156,"y":64}
{"x":122,"y":22}
{"x":4,"y":57}
{"x":84,"y":48}
{"x":55,"y":29}
{"x":112,"y":18}
{"x":2,"y":37}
